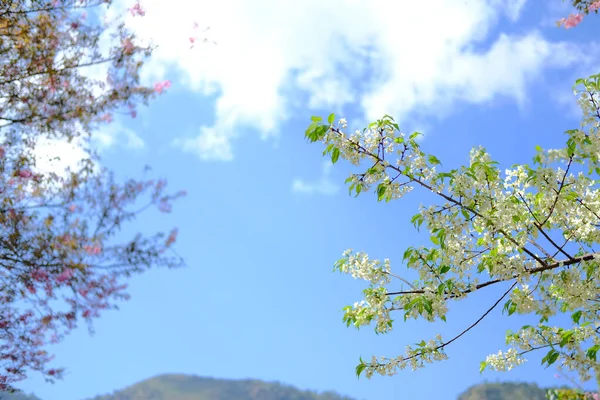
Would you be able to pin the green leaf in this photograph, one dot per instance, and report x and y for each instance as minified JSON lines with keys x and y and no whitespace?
{"x":465,"y":213}
{"x":571,"y":146}
{"x":360,"y":368}
{"x":576,"y":316}
{"x":417,"y":220}
{"x":414,"y":135}
{"x":328,"y":149}
{"x":316,"y":119}
{"x":340,"y":263}
{"x":428,"y":306}
{"x":566,"y":337}
{"x":331,"y":118}
{"x":482,"y":366}
{"x":358,"y":189}
{"x":550,"y":358}
{"x":381,"y":189}
{"x":335,"y":155}
{"x":510,"y":307}
{"x":434,"y":239}
{"x":591,"y":352}
{"x":433,"y":160}
{"x":444,"y":269}
{"x":441,"y":288}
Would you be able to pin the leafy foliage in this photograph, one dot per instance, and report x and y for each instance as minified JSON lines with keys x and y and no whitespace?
{"x":521,"y":391}
{"x":583,"y":6}
{"x":531,"y":229}
{"x":504,"y":391}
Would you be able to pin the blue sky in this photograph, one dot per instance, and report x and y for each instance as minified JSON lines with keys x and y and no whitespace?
{"x":265,"y":217}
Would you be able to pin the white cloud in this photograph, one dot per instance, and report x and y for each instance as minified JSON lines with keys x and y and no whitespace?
{"x":209,"y":145}
{"x":323,"y":185}
{"x":512,"y":8}
{"x":387,"y":57}
{"x":115,"y":134}
{"x":55,"y":156}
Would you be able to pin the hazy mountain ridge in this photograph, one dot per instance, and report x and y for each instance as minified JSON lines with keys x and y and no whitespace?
{"x":18,"y":396}
{"x":505,"y":391}
{"x":190,"y":387}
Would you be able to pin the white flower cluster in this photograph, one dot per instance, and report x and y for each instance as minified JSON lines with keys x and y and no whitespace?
{"x":534,"y":225}
{"x":504,"y":361}
{"x":372,"y":308}
{"x":414,"y":358}
{"x":524,"y":300}
{"x":360,"y":267}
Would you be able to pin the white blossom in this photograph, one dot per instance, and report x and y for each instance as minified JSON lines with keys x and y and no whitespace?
{"x":533,"y":226}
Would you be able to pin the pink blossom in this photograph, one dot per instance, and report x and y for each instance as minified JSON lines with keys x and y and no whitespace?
{"x":172,"y":237}
{"x":39,"y":275}
{"x":65,"y":275}
{"x":164,"y":206}
{"x":595,"y":6}
{"x":128,"y":46}
{"x":2,"y":152}
{"x":48,"y":289}
{"x":571,"y":21}
{"x":72,"y":208}
{"x":160,"y":86}
{"x":161,"y":184}
{"x":137,"y":10}
{"x":107,"y":118}
{"x":25,"y":174}
{"x":92,"y":250}
{"x":132,"y":110}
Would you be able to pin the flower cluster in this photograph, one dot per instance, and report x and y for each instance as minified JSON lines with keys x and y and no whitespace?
{"x":533,"y":226}
{"x":575,"y":19}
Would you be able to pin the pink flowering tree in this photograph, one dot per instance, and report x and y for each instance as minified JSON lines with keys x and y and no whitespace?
{"x":62,"y":258}
{"x":583,"y":7}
